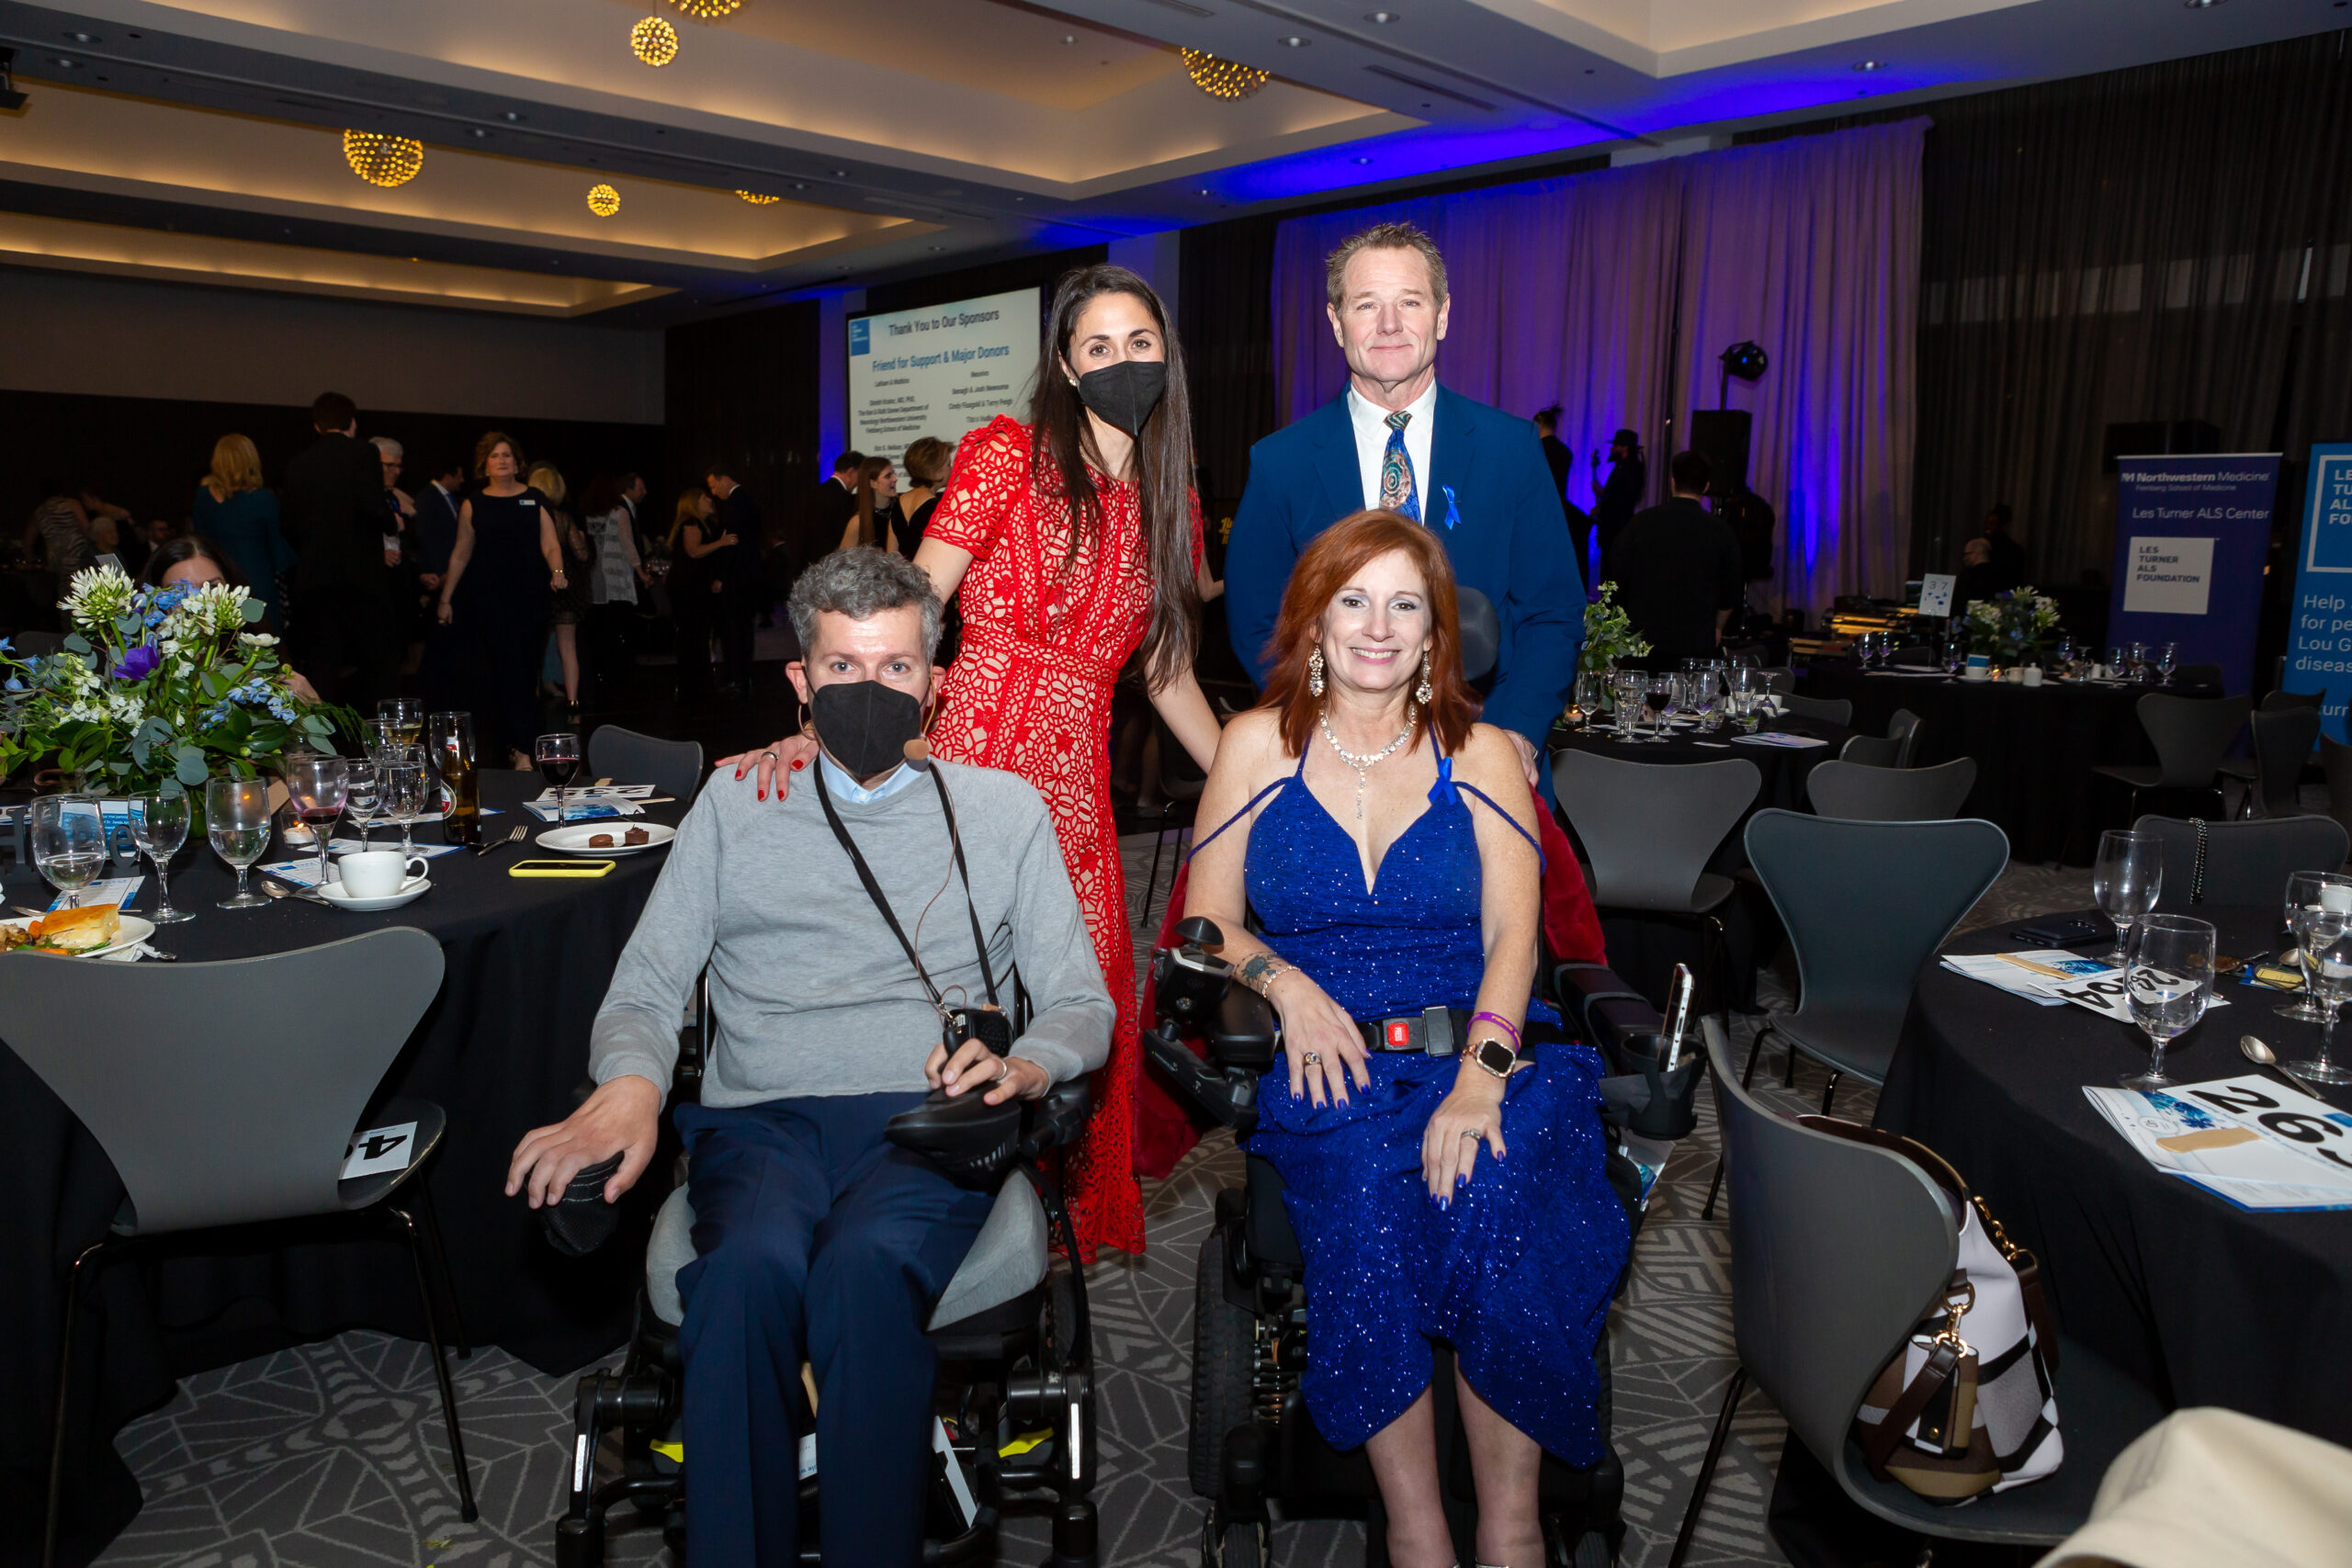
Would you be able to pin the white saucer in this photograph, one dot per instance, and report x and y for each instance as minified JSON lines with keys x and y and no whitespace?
{"x":415,"y":887}
{"x":573,"y":840}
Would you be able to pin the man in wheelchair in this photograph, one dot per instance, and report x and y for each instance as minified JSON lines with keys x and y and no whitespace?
{"x":838,"y":1005}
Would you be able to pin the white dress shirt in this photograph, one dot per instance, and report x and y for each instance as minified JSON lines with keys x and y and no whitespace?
{"x":1371,"y":422}
{"x":837,"y":779}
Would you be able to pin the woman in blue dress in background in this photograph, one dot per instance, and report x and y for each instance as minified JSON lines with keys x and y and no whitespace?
{"x":234,"y":512}
{"x":1385,"y":840}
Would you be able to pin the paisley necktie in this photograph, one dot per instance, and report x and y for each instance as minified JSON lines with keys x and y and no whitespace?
{"x":1397,"y":493}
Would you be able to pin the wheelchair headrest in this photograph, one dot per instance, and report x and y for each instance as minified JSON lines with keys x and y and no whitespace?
{"x":1481,"y":631}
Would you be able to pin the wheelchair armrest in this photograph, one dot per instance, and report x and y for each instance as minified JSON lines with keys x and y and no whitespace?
{"x":1245,"y":1033}
{"x":1057,"y":1117}
{"x":972,"y":1143}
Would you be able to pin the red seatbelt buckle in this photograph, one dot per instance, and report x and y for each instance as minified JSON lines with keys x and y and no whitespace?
{"x":1400,"y":1034}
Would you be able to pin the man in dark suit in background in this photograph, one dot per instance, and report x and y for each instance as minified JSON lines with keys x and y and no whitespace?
{"x":834,"y":505}
{"x":1678,"y":570}
{"x":1562,"y":462}
{"x":331,"y":510}
{"x":736,"y":568}
{"x":1394,"y":438}
{"x":1618,"y":497}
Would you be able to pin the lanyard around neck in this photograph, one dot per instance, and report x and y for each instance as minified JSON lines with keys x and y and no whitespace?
{"x":873,"y":888}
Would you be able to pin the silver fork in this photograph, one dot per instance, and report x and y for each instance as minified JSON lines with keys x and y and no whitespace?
{"x":496,"y":844}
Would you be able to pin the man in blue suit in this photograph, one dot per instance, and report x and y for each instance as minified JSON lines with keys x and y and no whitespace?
{"x":1397,"y":439}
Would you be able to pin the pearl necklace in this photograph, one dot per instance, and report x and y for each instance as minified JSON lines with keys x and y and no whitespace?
{"x":1363,"y":765}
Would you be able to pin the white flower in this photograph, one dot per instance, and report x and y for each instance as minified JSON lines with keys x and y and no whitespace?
{"x":256,"y":639}
{"x":96,"y":597}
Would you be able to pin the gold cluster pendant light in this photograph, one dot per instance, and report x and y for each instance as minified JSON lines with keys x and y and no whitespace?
{"x":1222,"y":78}
{"x":709,"y":10}
{"x":383,"y":160}
{"x":756,"y":199}
{"x":654,"y":42}
{"x":604,"y":200}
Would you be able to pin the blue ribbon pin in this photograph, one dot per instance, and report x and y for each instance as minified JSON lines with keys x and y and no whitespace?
{"x":1453,"y":512}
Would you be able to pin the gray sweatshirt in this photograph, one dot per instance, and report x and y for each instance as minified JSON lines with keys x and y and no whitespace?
{"x":811,"y":993}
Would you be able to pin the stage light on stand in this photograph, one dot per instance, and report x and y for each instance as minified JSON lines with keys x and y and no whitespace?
{"x":1746,"y":360}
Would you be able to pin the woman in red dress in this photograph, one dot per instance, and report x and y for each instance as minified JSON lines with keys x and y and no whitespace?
{"x":1076,"y":541}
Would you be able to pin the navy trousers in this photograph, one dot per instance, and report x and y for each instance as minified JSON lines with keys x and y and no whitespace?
{"x":815,"y":1239}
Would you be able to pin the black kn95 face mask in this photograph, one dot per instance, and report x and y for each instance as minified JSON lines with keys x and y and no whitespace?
{"x":866,"y":725}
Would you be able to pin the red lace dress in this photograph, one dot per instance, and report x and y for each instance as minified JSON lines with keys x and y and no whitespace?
{"x":1030,"y":693}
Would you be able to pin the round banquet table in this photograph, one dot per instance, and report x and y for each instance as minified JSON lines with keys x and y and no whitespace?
{"x":2197,"y":1300}
{"x":1785,"y":769}
{"x":2035,"y":746}
{"x":500,"y":1050}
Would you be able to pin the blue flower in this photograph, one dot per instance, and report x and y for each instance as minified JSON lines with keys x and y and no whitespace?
{"x":14,"y":684}
{"x":138,"y":663}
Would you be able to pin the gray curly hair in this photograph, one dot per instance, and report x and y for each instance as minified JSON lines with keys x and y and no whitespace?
{"x":861,"y":582}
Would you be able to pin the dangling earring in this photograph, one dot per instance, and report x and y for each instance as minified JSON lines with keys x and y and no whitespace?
{"x":1422,"y":692}
{"x":1315,"y":672}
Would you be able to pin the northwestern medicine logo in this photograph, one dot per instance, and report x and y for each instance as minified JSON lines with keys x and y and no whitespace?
{"x":860,"y":335}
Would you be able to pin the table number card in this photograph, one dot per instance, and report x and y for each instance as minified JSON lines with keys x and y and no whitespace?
{"x":379,"y":1149}
{"x":1935,"y":592}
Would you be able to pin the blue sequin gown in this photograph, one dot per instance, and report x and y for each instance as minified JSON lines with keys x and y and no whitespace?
{"x":1516,"y":1274}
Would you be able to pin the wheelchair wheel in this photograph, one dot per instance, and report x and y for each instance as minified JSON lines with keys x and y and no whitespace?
{"x":1592,"y":1552}
{"x":1237,"y":1545}
{"x":1224,"y":1354}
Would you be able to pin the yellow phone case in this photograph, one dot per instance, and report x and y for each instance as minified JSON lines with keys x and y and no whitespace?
{"x":559,"y":868}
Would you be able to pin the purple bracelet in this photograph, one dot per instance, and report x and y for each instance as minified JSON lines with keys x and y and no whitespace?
{"x":1499,"y":1022}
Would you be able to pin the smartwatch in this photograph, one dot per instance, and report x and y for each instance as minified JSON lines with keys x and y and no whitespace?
{"x":1494,"y":1057}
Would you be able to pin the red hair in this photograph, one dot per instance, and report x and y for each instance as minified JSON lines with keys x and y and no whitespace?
{"x":1329,"y":564}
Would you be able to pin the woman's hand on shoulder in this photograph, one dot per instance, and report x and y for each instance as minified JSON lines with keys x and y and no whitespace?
{"x":1319,"y":1039}
{"x":776,"y":763}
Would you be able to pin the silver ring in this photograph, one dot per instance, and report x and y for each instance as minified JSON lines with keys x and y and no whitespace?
{"x":1313,"y":1059}
{"x":1003,"y":1070}
{"x":1474,"y":1132}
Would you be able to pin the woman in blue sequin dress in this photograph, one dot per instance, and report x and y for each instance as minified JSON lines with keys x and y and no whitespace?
{"x":1384,"y":841}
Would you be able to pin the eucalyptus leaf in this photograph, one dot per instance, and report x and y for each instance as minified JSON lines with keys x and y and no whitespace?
{"x":191,"y":769}
{"x":76,"y":643}
{"x":171,"y":789}
{"x":255,"y":610}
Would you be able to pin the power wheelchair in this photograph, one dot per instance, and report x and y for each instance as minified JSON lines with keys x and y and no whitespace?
{"x":1254,"y":1443}
{"x":1016,"y":1372}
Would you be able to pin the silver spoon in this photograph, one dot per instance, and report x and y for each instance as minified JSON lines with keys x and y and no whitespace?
{"x":2255,"y":1051}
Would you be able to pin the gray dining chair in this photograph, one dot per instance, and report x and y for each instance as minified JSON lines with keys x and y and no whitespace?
{"x":1860,"y":793}
{"x":2246,"y":863}
{"x":2190,"y":734}
{"x":2335,"y":765}
{"x":228,"y":1094}
{"x":1902,"y":727}
{"x":2283,"y":738}
{"x":1838,"y":1248}
{"x":672,"y":767}
{"x":1893,"y":750}
{"x":1649,"y":830}
{"x":1839,"y":711}
{"x":1865,"y":905}
{"x":2273,"y":701}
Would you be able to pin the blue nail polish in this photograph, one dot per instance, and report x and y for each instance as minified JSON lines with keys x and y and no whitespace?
{"x":1445,"y":1203}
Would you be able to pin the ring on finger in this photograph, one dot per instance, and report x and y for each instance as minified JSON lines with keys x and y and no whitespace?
{"x":1474,"y":1132}
{"x":1313,"y":1059}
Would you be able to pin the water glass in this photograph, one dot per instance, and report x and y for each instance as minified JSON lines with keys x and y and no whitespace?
{"x":315,"y":786}
{"x":2125,"y":880}
{"x":1592,"y":687}
{"x":2171,"y":982}
{"x":2167,"y":657}
{"x":236,"y":819}
{"x":1704,"y":698}
{"x":403,"y":718}
{"x":362,"y":796}
{"x":2311,"y":890}
{"x":69,"y":842}
{"x":1625,"y":688}
{"x":159,"y":827}
{"x":2322,"y":928}
{"x":401,"y":787}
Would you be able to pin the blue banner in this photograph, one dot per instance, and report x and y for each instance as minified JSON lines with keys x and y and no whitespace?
{"x":2190,"y":536}
{"x":2319,"y":630}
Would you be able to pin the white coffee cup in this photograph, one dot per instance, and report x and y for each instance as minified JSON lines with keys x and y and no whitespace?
{"x":378,"y":873}
{"x":2032,"y":676}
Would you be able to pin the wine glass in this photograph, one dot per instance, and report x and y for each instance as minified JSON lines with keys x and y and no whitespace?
{"x":159,"y":827}
{"x":236,"y":819}
{"x":1590,"y":686}
{"x":2311,"y":891}
{"x":1658,"y":689}
{"x":69,"y":842}
{"x":2125,"y":881}
{"x":2136,"y":657}
{"x":315,"y":786}
{"x":1626,"y":686}
{"x":2063,"y":653}
{"x":559,"y":759}
{"x":1704,"y":698}
{"x":363,"y":794}
{"x":2166,"y":657}
{"x":405,"y":716}
{"x":401,"y":784}
{"x":2171,"y":983}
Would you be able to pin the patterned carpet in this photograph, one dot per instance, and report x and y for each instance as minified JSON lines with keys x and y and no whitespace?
{"x":330,"y":1455}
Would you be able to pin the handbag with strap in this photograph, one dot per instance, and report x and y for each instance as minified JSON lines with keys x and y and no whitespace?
{"x":1967,"y":1405}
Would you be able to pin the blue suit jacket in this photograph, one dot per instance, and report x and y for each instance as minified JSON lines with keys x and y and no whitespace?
{"x":1488,"y":496}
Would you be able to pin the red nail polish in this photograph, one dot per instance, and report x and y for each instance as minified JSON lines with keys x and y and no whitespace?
{"x":797,"y":764}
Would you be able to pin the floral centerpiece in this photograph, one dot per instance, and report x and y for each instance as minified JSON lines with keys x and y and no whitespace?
{"x":1609,"y":635}
{"x":2010,"y":628}
{"x":155,"y":690}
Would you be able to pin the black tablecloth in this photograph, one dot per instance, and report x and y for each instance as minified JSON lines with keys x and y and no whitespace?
{"x":2035,"y":746}
{"x":2201,"y":1302}
{"x":500,"y":1050}
{"x":1784,"y":770}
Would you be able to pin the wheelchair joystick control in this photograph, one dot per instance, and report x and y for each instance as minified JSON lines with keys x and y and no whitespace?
{"x":580,"y":1221}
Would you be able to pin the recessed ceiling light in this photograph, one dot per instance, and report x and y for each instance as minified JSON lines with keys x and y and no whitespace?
{"x":1869,"y":66}
{"x":511,"y":117}
{"x":84,"y":38}
{"x":1382,"y":17}
{"x":841,"y":173}
{"x":934,"y":249}
{"x":1069,"y":38}
{"x":475,"y":130}
{"x":1361,"y":160}
{"x":60,"y":61}
{"x":1293,"y":41}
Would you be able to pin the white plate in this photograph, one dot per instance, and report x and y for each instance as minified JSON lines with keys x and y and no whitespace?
{"x":134,"y":932}
{"x":573,"y":841}
{"x":415,"y":888}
